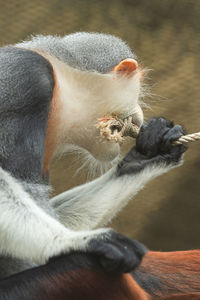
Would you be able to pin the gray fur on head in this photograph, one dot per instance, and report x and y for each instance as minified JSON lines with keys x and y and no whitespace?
{"x":86,"y":51}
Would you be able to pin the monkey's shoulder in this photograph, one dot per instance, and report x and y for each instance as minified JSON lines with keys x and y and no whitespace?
{"x":24,"y":72}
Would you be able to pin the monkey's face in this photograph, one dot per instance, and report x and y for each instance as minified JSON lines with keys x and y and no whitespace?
{"x":87,"y":96}
{"x":94,"y":96}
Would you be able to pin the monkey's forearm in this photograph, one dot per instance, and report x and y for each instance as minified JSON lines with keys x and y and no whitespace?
{"x":96,"y":203}
{"x":27,"y":232}
{"x":76,"y":276}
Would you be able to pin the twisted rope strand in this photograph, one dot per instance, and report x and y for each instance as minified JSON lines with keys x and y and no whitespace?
{"x":188,"y":138}
{"x":115,"y":129}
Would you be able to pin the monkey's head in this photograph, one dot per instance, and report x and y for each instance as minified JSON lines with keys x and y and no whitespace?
{"x":96,"y":75}
{"x":52,"y":97}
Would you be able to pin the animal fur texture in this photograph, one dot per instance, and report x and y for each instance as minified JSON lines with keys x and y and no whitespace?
{"x":53,"y":90}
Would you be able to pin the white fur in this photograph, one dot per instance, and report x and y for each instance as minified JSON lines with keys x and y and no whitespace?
{"x":96,"y":203}
{"x":86,"y":96}
{"x":28,"y":232}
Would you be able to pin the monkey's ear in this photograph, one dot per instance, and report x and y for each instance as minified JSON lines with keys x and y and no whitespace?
{"x":126,"y":66}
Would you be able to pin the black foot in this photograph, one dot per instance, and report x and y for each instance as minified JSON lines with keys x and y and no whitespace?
{"x":117,"y":253}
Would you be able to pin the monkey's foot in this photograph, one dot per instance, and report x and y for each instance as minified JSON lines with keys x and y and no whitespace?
{"x":116,"y":253}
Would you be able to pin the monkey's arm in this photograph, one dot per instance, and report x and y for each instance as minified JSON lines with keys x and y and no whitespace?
{"x":27,"y":232}
{"x":75,"y":276}
{"x":161,"y":275}
{"x":97,"y":202}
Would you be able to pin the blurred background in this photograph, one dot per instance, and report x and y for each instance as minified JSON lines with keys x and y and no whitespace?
{"x":165,"y":35}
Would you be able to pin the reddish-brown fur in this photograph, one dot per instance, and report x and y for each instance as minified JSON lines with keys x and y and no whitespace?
{"x":177,"y":273}
{"x":190,"y":296}
{"x":161,"y":276}
{"x":84,"y":284}
{"x":52,"y":127}
{"x":167,"y":273}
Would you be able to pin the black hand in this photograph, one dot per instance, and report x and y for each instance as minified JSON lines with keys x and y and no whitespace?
{"x":154,"y":144}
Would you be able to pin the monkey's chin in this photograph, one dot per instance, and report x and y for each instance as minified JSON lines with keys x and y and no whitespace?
{"x":103,"y":151}
{"x":94,"y":165}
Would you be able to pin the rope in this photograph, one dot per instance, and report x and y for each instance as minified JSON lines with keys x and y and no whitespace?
{"x":115,"y":129}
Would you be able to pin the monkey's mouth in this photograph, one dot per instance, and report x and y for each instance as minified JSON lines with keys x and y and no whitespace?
{"x":115,"y":129}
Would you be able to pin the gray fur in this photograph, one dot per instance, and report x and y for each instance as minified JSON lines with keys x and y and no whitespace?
{"x":82,"y":50}
{"x":26,"y":87}
{"x":10,"y":266}
{"x":40,"y":193}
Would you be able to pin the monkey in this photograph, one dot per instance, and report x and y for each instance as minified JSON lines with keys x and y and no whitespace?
{"x":161,"y":275}
{"x":169,"y":273}
{"x":66,"y":282}
{"x":53,"y":89}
